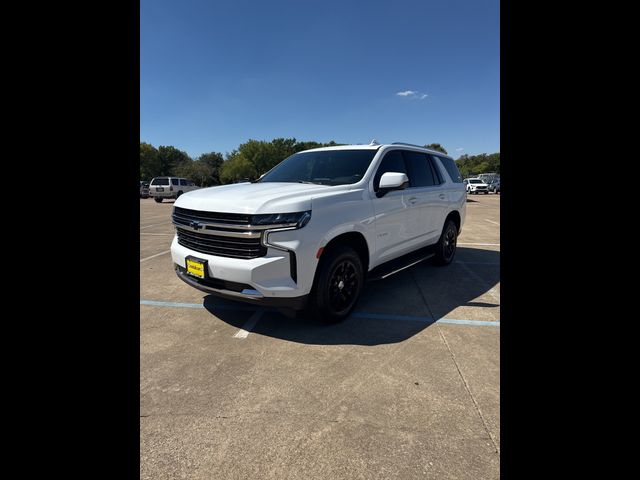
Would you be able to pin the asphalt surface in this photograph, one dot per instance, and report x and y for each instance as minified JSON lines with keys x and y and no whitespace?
{"x":230,"y":392}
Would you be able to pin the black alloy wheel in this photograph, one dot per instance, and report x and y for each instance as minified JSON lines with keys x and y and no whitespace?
{"x":337,"y":286}
{"x":447,"y":244}
{"x":343,"y":286}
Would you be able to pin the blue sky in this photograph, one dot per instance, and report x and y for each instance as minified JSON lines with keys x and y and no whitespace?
{"x":216,"y":73}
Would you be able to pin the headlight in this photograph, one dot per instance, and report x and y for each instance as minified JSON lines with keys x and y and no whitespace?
{"x":299,"y":219}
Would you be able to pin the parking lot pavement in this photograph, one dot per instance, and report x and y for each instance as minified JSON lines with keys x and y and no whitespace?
{"x":407,"y":387}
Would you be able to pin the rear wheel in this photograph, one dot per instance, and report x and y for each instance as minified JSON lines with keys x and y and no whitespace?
{"x":178,"y":194}
{"x":158,"y":199}
{"x":447,"y":244}
{"x":338,"y":285}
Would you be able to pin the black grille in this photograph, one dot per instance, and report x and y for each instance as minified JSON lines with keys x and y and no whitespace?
{"x":221,"y":246}
{"x":184,"y":216}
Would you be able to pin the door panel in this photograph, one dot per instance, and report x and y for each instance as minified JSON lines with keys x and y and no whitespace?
{"x":392,"y":234}
{"x":423,"y":198}
{"x":391,"y":226}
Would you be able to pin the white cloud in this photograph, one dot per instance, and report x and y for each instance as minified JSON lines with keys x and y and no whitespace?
{"x":412,"y":94}
{"x":459,"y":149}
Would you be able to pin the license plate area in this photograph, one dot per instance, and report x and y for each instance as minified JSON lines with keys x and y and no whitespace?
{"x":159,"y":189}
{"x":196,"y":267}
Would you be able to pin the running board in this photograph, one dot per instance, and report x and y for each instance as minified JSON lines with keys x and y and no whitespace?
{"x":402,"y":263}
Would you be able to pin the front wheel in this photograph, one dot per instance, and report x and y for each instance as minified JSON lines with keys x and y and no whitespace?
{"x":446,"y":246}
{"x":338,"y":285}
{"x":158,"y":199}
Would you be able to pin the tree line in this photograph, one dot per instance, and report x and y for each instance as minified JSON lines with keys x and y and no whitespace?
{"x":255,"y":157}
{"x":470,"y":165}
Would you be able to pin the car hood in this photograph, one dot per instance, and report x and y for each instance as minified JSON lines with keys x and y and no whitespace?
{"x":268,"y":197}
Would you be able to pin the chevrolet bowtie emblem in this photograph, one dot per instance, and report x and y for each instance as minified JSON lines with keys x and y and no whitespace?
{"x":195,"y":225}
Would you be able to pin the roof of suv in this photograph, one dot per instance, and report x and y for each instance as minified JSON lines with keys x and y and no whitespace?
{"x":376,"y":146}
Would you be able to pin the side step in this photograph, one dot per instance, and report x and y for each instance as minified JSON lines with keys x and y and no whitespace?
{"x":401,"y":263}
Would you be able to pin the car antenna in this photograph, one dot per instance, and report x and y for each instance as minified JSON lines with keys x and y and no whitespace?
{"x":374,"y":142}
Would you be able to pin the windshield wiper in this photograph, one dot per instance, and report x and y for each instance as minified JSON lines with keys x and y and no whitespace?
{"x":309,"y":183}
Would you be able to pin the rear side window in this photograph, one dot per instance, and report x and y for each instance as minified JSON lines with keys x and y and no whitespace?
{"x":393,"y":161}
{"x":437,"y":175}
{"x":451,"y":168}
{"x":183,"y":182}
{"x":174,"y":181}
{"x":420,"y":173}
{"x":160,"y":181}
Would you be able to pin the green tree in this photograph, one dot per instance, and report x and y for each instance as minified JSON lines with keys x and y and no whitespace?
{"x":149,"y":162}
{"x":437,"y":147}
{"x":470,"y":165}
{"x":214,"y":161}
{"x":237,"y":167}
{"x":171,"y":159}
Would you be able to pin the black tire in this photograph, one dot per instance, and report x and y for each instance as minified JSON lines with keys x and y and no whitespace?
{"x":338,"y":284}
{"x":158,"y":199}
{"x":178,"y":194}
{"x":447,"y":244}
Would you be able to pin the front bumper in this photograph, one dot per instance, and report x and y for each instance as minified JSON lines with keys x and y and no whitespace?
{"x":222,"y":289}
{"x":267,"y":279}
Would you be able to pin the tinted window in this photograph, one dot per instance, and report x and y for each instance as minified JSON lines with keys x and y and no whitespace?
{"x":327,"y":167}
{"x":160,"y":181}
{"x":393,"y":161}
{"x":420,"y":173}
{"x":451,"y":168}
{"x":475,"y":180}
{"x":183,"y":182}
{"x":436,"y":171}
{"x":174,"y":181}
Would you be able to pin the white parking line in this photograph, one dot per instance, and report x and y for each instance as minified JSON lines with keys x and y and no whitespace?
{"x":154,"y":225}
{"x":491,"y":221}
{"x":246,"y":328}
{"x":145,"y":233}
{"x":154,"y":256}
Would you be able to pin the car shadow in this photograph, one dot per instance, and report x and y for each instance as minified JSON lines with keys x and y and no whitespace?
{"x":389,"y":311}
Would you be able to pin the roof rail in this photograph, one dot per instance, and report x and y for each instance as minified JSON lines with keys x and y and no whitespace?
{"x":409,"y":144}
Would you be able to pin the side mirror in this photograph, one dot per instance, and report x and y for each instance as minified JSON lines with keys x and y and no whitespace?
{"x":392,"y":181}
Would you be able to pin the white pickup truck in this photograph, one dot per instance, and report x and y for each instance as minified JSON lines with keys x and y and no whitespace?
{"x":312,"y":230}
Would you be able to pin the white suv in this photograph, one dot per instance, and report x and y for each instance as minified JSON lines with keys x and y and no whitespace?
{"x":309,"y":232}
{"x":170,"y":187}
{"x":476,"y":185}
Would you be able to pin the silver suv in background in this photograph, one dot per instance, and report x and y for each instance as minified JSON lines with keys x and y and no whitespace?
{"x":170,"y":187}
{"x":144,"y":190}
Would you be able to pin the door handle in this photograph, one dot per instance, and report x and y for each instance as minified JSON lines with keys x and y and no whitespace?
{"x":413,"y":200}
{"x":442,"y":195}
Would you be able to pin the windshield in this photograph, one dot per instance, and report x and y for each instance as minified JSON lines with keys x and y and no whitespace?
{"x":475,"y":180}
{"x":328,"y":167}
{"x":160,"y":181}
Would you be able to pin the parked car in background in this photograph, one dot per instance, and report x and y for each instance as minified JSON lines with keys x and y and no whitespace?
{"x":170,"y":187}
{"x":476,"y":185}
{"x":494,"y":185}
{"x":144,"y":190}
